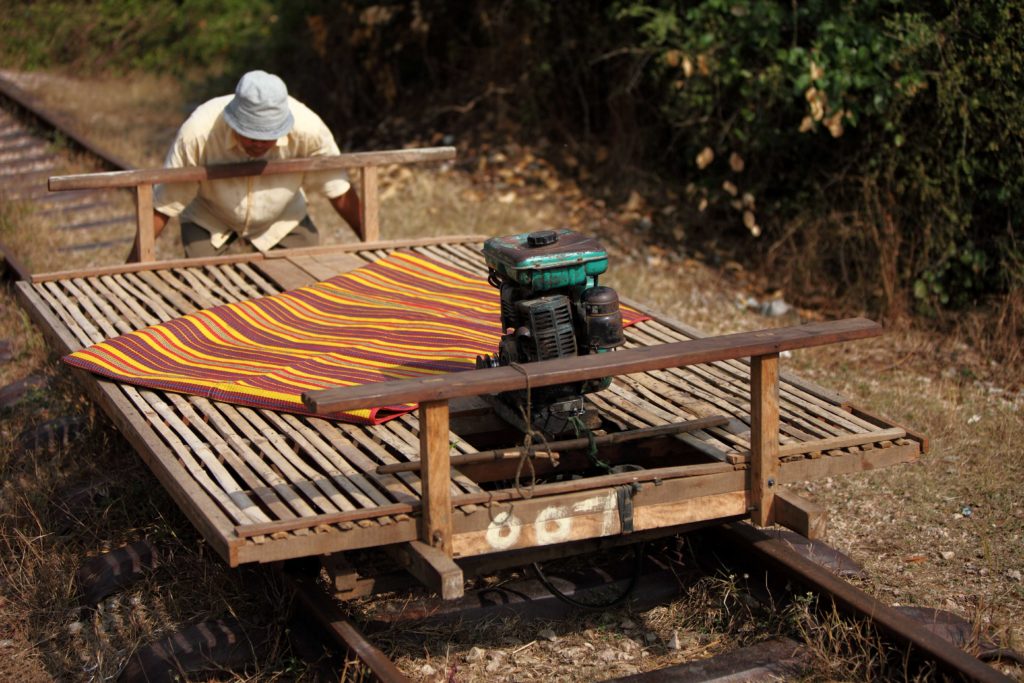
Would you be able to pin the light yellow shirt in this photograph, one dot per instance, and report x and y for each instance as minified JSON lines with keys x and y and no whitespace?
{"x":262,"y":209}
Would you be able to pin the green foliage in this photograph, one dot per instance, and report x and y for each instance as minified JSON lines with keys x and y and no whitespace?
{"x":892,"y":128}
{"x":907,"y":113}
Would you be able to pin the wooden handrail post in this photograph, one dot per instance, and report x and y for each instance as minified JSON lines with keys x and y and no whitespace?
{"x":371,"y":204}
{"x":764,"y":437}
{"x":435,"y":475}
{"x":144,"y":222}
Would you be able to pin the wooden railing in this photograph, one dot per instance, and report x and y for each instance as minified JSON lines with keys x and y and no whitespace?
{"x":433,"y":393}
{"x":143,"y":180}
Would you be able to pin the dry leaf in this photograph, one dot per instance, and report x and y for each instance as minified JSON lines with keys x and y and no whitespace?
{"x":673,"y":57}
{"x":730,"y":187}
{"x":687,"y":67}
{"x":818,"y":101}
{"x":817,"y":110}
{"x":704,"y":159}
{"x":736,"y":162}
{"x":749,"y":221}
{"x":806,"y":125}
{"x":703,"y":204}
{"x":634,"y":203}
{"x":834,"y":123}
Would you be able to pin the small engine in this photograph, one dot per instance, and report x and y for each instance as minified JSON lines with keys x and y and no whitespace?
{"x":552,"y":307}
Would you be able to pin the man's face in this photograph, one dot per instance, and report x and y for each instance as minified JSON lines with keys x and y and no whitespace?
{"x":254,"y":148}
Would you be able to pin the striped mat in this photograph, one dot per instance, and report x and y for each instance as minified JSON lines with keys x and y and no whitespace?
{"x":401,"y":317}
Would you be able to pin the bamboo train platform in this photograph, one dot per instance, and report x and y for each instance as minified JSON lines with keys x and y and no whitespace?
{"x":263,"y":486}
{"x":693,"y":429}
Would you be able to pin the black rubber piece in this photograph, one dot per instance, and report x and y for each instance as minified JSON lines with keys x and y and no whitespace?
{"x":110,"y":572}
{"x":55,"y":433}
{"x":13,"y":393}
{"x":210,"y":646}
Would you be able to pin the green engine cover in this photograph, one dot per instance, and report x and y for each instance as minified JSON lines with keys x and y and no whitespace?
{"x":547,"y":259}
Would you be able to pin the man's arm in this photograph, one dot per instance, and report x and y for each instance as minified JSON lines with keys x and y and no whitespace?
{"x":348,"y":207}
{"x":159,"y":223}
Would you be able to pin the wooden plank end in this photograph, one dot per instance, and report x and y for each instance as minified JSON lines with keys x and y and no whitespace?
{"x":803,"y":516}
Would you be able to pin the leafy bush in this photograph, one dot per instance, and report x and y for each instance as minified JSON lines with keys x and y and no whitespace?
{"x":870,"y":150}
{"x":902,"y":118}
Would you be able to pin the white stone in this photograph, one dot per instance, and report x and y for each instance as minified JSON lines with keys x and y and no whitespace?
{"x":427,"y":670}
{"x":947,"y":554}
{"x":475,"y":654}
{"x":75,"y":627}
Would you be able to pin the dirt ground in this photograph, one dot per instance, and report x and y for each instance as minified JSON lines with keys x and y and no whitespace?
{"x":946,"y":532}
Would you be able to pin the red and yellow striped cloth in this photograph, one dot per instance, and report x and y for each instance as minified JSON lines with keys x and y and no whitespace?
{"x":400,"y":317}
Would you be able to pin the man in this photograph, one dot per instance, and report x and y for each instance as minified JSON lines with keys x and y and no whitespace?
{"x":259,"y":122}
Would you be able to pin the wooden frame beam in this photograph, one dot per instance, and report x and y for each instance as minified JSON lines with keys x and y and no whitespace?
{"x":145,"y":230}
{"x":371,"y":204}
{"x":803,"y":516}
{"x":193,"y":174}
{"x":143,"y":180}
{"x":593,"y":366}
{"x":432,"y":566}
{"x":436,"y":528}
{"x":764,"y":436}
{"x":284,"y":546}
{"x":255,"y":257}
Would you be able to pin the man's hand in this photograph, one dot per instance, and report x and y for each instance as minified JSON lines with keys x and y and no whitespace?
{"x":159,"y":223}
{"x":347,"y":206}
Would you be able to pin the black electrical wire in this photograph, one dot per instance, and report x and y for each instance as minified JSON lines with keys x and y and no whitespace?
{"x":638,"y":562}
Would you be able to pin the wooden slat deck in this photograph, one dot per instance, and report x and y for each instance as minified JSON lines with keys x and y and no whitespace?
{"x":312,"y":484}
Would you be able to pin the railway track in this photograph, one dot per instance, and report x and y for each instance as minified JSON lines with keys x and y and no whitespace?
{"x":913,"y":643}
{"x":32,"y":149}
{"x":36,"y":143}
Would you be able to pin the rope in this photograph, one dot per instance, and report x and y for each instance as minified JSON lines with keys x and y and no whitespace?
{"x":580,"y":428}
{"x":528,"y":433}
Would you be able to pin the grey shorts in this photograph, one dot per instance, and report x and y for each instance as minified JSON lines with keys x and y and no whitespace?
{"x":197,"y":239}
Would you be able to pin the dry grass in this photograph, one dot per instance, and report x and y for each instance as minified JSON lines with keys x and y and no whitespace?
{"x":897,"y":522}
{"x":962,"y":498}
{"x":711,"y":615}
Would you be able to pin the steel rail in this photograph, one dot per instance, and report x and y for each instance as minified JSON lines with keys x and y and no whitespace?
{"x":899,"y":628}
{"x":347,"y":634}
{"x":26,"y":167}
{"x":60,"y":123}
